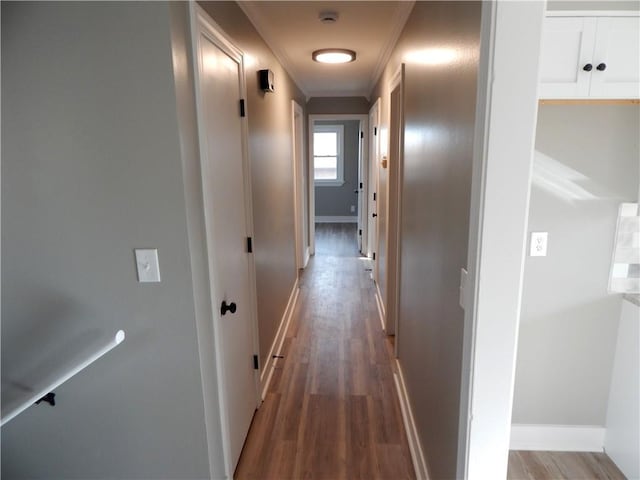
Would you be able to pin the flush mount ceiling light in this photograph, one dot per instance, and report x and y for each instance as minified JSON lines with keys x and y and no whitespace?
{"x":334,"y":55}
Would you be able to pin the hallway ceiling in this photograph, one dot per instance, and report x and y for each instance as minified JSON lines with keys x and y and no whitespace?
{"x":293,"y":31}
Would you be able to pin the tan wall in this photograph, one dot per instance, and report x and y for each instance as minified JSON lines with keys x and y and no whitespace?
{"x":439,"y":123}
{"x":271,"y":156}
{"x":337,"y":105}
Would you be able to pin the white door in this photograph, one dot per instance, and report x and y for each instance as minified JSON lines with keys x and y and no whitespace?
{"x":616,"y":58}
{"x":566,"y":60}
{"x":360,"y":190}
{"x":224,"y":174}
{"x":373,"y":182}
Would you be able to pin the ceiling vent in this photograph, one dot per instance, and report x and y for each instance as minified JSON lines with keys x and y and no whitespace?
{"x":328,"y":17}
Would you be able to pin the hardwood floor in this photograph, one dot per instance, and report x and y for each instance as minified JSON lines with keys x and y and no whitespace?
{"x":561,"y":465}
{"x":332,"y":411}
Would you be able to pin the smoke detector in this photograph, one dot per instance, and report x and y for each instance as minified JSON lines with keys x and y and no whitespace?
{"x":328,"y":17}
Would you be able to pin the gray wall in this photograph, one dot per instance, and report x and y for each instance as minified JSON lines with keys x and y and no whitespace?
{"x":337,"y":201}
{"x":271,"y":156}
{"x":593,"y":5}
{"x":439,"y":123}
{"x":90,"y":170}
{"x":335,"y":105}
{"x":569,"y":322}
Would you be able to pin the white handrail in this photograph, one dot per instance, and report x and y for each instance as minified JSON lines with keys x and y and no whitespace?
{"x":21,"y":407}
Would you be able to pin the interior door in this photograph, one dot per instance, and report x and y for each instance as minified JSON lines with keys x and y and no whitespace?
{"x":373,"y":183}
{"x":359,"y":191}
{"x":224,"y":171}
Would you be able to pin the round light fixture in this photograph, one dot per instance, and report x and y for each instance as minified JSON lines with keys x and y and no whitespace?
{"x":334,"y":55}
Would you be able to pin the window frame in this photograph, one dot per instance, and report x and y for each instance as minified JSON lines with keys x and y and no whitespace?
{"x":339,"y":181}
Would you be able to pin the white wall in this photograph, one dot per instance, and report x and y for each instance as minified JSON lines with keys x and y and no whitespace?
{"x":622,"y":438}
{"x":586,"y":163}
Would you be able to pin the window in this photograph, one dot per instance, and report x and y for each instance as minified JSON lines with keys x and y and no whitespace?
{"x":328,"y":163}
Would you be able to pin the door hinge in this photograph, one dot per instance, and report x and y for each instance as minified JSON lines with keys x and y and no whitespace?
{"x":375,"y":130}
{"x":249,"y":245}
{"x":242,"y":111}
{"x":360,"y":184}
{"x":255,"y":362}
{"x":374,"y":196}
{"x":361,"y":134}
{"x":360,"y":232}
{"x":374,"y":255}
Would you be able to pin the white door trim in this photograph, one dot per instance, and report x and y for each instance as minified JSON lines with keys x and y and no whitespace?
{"x":364,"y":127}
{"x":299,"y":186}
{"x":395,"y":169}
{"x":502,"y":164}
{"x":201,"y":23}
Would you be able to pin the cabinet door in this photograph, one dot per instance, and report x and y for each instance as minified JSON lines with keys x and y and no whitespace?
{"x":567,"y":46}
{"x":618,"y":49}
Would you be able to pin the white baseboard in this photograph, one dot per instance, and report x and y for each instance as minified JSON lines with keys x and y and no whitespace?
{"x":267,"y":370}
{"x":558,"y":438}
{"x":417,"y":455}
{"x":380,"y":305}
{"x":305,"y":257}
{"x":336,"y":219}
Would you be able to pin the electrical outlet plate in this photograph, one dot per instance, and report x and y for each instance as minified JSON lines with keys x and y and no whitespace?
{"x":539,"y":244}
{"x":147,"y":265}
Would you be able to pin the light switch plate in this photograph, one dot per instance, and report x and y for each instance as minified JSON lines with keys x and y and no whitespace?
{"x":147,"y":265}
{"x":463,"y":288}
{"x":538,"y":244}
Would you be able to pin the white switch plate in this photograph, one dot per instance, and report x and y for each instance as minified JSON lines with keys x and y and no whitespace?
{"x":463,"y":288}
{"x":147,"y":264}
{"x":538,"y":244}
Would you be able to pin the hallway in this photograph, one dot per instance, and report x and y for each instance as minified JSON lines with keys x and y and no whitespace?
{"x":332,"y":410}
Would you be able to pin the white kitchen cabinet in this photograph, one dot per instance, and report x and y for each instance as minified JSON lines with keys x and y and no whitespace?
{"x":590,"y":57}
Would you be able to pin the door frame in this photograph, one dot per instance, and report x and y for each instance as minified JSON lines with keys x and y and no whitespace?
{"x":374,"y":154}
{"x":201,"y":23}
{"x":394,"y":192}
{"x":363,"y":153}
{"x":300,"y":186}
{"x":504,"y":141}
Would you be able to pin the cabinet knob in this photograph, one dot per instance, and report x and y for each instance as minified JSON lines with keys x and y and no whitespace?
{"x":588,"y":67}
{"x":601,"y":67}
{"x":224,"y":308}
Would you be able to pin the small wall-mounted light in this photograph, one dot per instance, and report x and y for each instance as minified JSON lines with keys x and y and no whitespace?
{"x":334,"y":55}
{"x":266,"y":80}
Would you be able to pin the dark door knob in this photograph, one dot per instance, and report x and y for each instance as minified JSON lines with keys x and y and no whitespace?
{"x":355,"y":191}
{"x":224,"y":308}
{"x":374,"y":215}
{"x":601,"y":67}
{"x":588,"y":67}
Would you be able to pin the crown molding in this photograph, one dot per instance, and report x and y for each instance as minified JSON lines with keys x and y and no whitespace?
{"x":329,"y":93}
{"x":399,"y":20}
{"x":261,"y":27}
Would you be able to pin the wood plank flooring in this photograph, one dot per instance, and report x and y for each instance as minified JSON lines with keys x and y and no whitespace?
{"x":525,"y":465}
{"x":332,"y":411}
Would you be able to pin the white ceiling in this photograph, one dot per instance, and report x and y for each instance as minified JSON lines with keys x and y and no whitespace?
{"x":293,"y":31}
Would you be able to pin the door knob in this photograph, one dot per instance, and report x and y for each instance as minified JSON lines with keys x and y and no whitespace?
{"x":588,"y":67}
{"x":355,"y":191}
{"x":601,"y":67}
{"x":224,"y":308}
{"x":374,"y":215}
